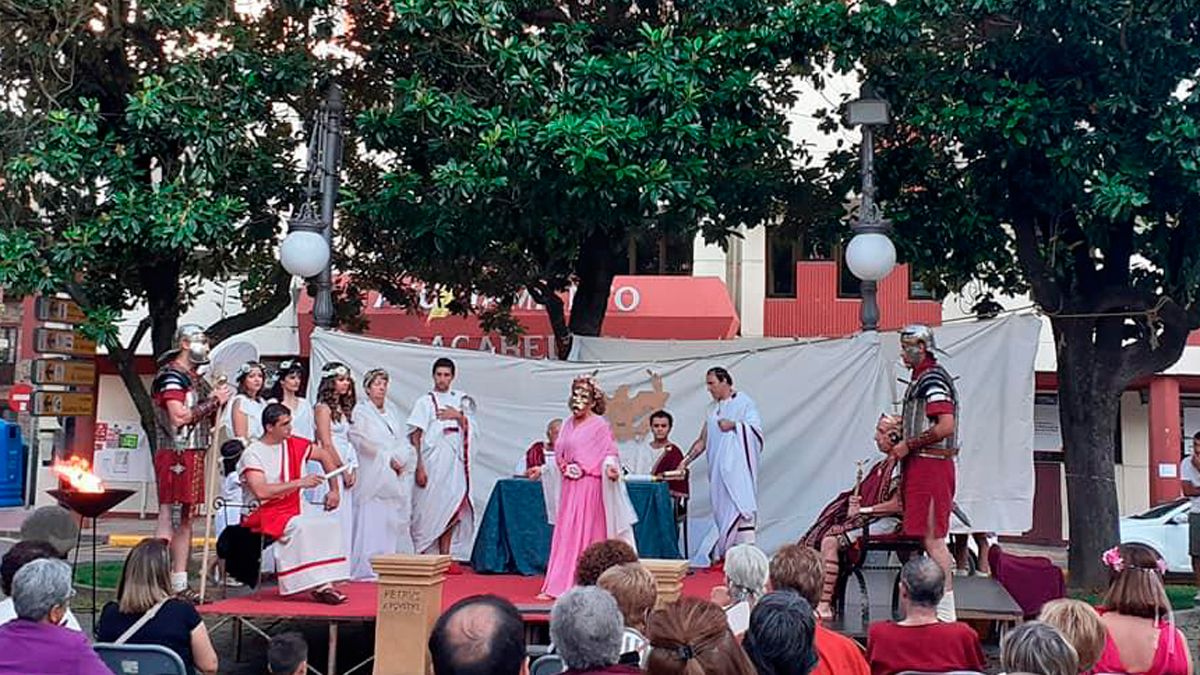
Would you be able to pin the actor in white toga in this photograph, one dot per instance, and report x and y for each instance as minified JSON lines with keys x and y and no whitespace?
{"x":443,"y":431}
{"x":733,"y":438}
{"x":383,"y":491}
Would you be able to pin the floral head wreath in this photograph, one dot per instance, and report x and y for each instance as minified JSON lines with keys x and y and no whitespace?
{"x":247,"y":368}
{"x":1116,"y":562}
{"x":334,"y":369}
{"x":588,"y":382}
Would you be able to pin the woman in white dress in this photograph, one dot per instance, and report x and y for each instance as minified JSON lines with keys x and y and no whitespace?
{"x":286,"y":390}
{"x":333,"y":412}
{"x":383,"y":494}
{"x":243,"y":418}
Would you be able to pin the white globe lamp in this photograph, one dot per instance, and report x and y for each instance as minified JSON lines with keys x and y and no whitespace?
{"x":871,"y":256}
{"x":304,"y":253}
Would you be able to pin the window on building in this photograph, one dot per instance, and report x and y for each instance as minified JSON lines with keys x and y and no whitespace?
{"x":651,"y":253}
{"x":849,"y":286}
{"x":9,"y":340}
{"x":782,"y":254}
{"x":1047,"y":435}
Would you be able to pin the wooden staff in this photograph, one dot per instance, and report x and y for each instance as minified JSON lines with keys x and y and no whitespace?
{"x":211,"y":463}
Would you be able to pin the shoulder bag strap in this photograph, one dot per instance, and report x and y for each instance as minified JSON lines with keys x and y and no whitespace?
{"x":137,"y":625}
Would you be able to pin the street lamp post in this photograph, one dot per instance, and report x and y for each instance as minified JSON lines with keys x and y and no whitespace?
{"x":305,"y":251}
{"x":871,"y":254}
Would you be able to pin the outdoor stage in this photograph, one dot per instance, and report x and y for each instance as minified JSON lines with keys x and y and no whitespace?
{"x":981,"y":599}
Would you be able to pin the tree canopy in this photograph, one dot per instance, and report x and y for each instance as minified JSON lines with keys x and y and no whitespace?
{"x":1051,"y":148}
{"x":509,"y":144}
{"x":146,"y":146}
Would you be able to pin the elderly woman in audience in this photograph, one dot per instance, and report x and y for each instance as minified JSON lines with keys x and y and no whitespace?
{"x":586,"y":628}
{"x":635,"y":591}
{"x":1142,"y":638}
{"x":600,"y":556}
{"x":1080,"y":624}
{"x":36,"y":641}
{"x":145,"y":589}
{"x":18,"y":556}
{"x":746,"y":571}
{"x":1037,"y":647}
{"x":692,"y":637}
{"x":780,"y":640}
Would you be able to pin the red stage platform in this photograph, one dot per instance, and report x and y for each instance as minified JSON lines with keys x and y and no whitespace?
{"x":521,"y":591}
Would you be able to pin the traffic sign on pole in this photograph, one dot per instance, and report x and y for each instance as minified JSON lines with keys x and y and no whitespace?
{"x":19,"y":396}
{"x":62,"y":404}
{"x":58,"y":310}
{"x":68,"y":372}
{"x":69,"y":342}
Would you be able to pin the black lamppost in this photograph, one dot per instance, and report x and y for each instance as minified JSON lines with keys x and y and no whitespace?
{"x":871,"y":254}
{"x":305,"y":251}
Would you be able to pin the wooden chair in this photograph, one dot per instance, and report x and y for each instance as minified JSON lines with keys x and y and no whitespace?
{"x":852,"y":562}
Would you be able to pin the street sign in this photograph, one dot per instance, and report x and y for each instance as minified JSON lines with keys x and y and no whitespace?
{"x":69,"y":342}
{"x":58,"y":310}
{"x":70,"y":372}
{"x":62,"y":404}
{"x":19,"y":396}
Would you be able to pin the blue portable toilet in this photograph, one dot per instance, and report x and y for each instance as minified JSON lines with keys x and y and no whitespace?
{"x":12,"y":465}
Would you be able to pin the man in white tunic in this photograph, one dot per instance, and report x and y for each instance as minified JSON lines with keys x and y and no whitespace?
{"x":309,"y":550}
{"x":733,"y":438}
{"x":383,"y":492}
{"x":442,"y":430}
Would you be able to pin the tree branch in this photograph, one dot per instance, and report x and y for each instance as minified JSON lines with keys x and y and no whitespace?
{"x":1041,"y":279}
{"x":1143,"y":358}
{"x":281,"y":297}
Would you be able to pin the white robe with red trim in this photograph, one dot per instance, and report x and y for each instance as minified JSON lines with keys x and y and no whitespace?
{"x":732,"y":470}
{"x":446,"y":452}
{"x":310,"y":552}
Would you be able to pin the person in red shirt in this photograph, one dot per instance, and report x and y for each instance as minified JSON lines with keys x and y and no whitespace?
{"x":797,"y":568}
{"x":535,"y":456}
{"x":920,"y":642}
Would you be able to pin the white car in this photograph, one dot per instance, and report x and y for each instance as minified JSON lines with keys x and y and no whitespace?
{"x":1163,"y":528}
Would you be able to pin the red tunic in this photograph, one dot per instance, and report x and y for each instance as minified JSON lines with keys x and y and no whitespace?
{"x":670,"y":460}
{"x":535,"y":455}
{"x":271,"y":518}
{"x":936,"y":647}
{"x":838,"y":654}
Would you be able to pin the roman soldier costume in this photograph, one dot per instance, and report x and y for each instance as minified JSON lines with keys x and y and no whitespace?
{"x":179,"y":457}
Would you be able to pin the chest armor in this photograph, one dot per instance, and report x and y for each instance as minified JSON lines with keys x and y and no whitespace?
{"x":932,"y":385}
{"x":189,"y":436}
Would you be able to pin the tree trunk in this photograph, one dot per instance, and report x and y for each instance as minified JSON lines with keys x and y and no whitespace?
{"x":126,"y":362}
{"x":594,"y":270}
{"x":162,"y":301}
{"x":555,"y":309}
{"x":1089,"y":406}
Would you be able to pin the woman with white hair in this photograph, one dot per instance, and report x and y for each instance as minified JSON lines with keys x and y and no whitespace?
{"x":746,"y":572}
{"x":1038,"y":647}
{"x":36,"y":641}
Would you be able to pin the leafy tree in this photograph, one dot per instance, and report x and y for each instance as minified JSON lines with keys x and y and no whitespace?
{"x":509,"y":144}
{"x":145,"y":147}
{"x":1052,"y":147}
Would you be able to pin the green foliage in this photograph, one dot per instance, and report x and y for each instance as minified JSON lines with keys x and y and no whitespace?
{"x":510,"y":144}
{"x":144,"y":144}
{"x":1073,"y":123}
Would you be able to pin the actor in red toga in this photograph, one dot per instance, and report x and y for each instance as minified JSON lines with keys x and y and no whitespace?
{"x":310,"y":551}
{"x":185,"y":409}
{"x":928,"y":450}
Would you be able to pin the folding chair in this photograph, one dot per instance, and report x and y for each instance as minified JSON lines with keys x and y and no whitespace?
{"x":140,"y":659}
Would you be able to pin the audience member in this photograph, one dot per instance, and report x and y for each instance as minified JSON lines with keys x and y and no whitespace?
{"x":692,"y":637}
{"x":746,"y":571}
{"x":36,"y":641}
{"x":634,"y":589}
{"x":53,"y":524}
{"x":920,"y":642}
{"x":18,"y":556}
{"x":1036,"y":647}
{"x":586,"y":629}
{"x":797,"y":568}
{"x":1080,"y":624}
{"x":144,"y":596}
{"x":780,"y":638}
{"x":479,"y":635}
{"x":1141,"y":636}
{"x":600,"y":556}
{"x":287,"y":654}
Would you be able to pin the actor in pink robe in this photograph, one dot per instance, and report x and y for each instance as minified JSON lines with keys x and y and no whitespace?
{"x":593,"y":505}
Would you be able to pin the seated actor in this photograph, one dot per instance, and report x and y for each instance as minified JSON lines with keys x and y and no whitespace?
{"x":309,"y":546}
{"x":874,"y":504}
{"x":531,"y":464}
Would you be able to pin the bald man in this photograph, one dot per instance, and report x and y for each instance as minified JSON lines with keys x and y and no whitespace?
{"x":479,"y":635}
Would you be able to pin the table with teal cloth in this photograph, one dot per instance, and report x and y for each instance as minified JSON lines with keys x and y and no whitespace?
{"x":514,"y":537}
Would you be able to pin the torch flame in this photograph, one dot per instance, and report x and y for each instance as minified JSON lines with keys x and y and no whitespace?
{"x":77,"y":473}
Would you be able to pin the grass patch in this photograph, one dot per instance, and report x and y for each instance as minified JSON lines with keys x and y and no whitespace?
{"x":107,"y":575}
{"x":1182,"y":596}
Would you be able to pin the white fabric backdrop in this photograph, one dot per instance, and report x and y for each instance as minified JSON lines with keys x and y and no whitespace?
{"x":819,"y":401}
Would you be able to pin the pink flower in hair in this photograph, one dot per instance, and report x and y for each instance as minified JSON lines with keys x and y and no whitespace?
{"x":1112,"y":558}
